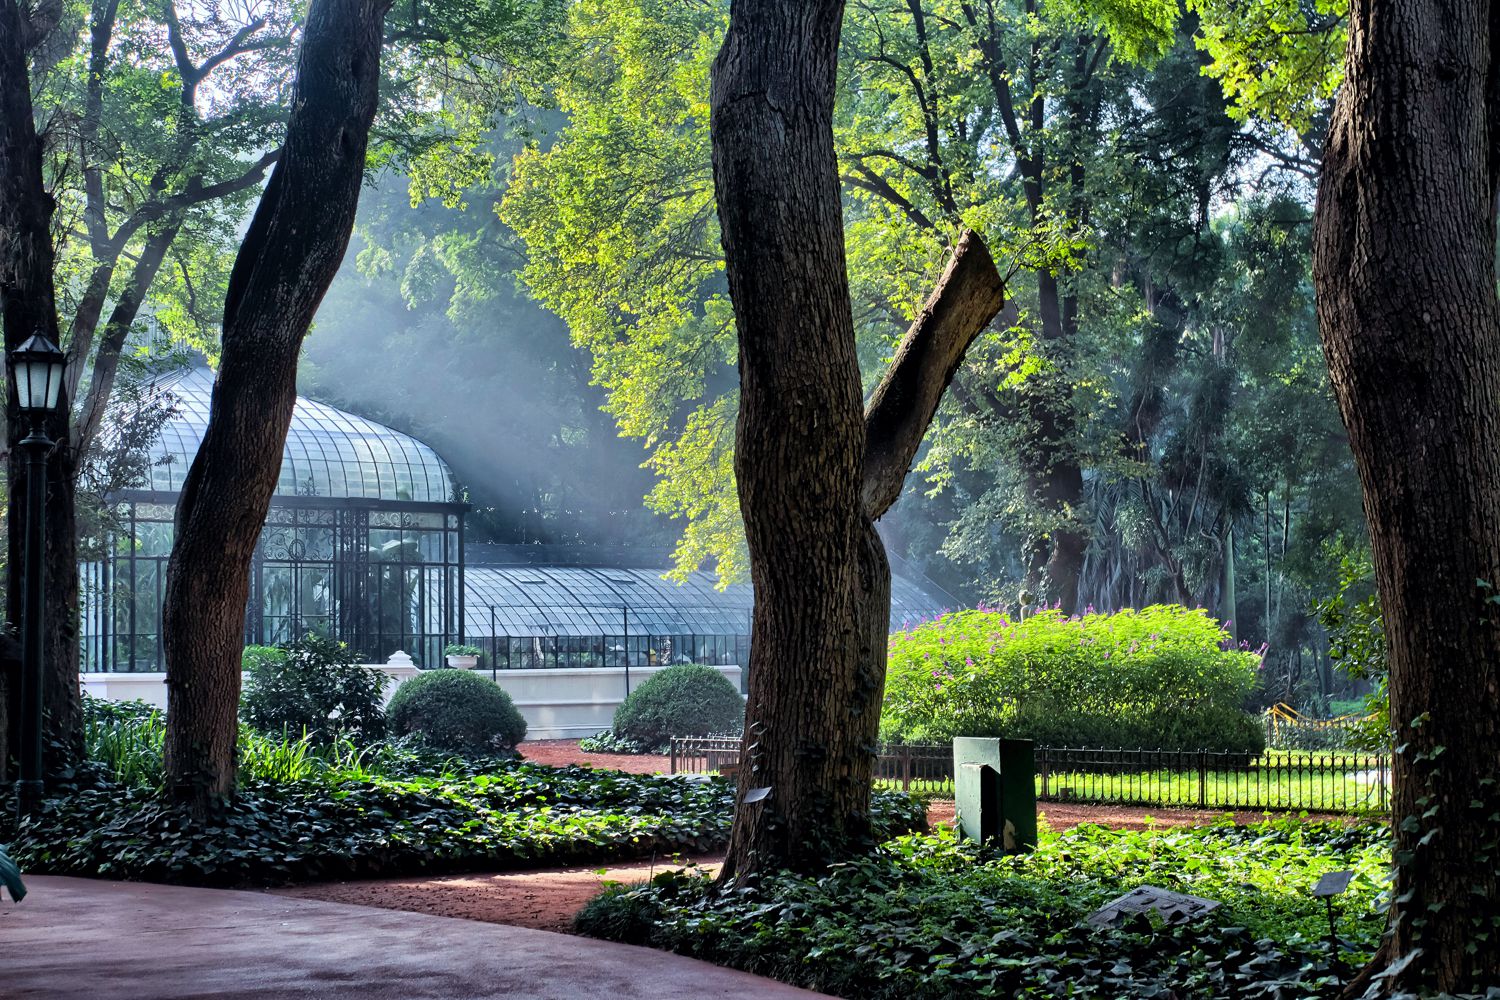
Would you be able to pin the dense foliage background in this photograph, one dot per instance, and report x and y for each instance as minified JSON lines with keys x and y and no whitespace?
{"x":538,"y":261}
{"x":575,"y":265}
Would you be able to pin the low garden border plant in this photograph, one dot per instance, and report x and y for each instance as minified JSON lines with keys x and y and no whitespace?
{"x":688,"y":699}
{"x":458,"y":711}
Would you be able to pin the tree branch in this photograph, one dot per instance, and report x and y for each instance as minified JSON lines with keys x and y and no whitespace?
{"x":38,"y":22}
{"x":116,"y":329}
{"x":877,"y":185}
{"x":185,"y":67}
{"x":236,"y":46}
{"x":196,"y":194}
{"x":966,"y":298}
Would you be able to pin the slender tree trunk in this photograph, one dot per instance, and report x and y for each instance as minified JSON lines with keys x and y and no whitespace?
{"x":28,"y":306}
{"x":1405,"y":272}
{"x":822,"y":583}
{"x":290,"y":254}
{"x":1228,"y":608}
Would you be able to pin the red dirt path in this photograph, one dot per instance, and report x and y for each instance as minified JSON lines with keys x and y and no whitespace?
{"x":549,"y":899}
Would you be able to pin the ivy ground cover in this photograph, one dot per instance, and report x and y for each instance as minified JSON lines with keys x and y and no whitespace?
{"x":927,"y":917}
{"x":390,"y":810}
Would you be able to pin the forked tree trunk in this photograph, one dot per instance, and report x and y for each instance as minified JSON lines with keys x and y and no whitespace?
{"x":822,"y":583}
{"x":1405,"y":271}
{"x":290,"y":254}
{"x":800,"y":440}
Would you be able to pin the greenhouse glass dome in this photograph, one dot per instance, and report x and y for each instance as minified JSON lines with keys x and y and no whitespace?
{"x":364,"y":541}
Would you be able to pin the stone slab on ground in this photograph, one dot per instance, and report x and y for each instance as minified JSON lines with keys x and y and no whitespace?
{"x":81,"y":938}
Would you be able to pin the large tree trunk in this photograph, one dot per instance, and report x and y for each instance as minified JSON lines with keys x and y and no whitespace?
{"x":822,"y":583}
{"x":814,"y":558}
{"x":1405,"y":273}
{"x":291,"y":252}
{"x":28,"y":301}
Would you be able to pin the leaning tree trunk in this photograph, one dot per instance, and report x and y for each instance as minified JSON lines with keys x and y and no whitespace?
{"x":822,"y":583}
{"x":1406,"y":281}
{"x":290,"y":254}
{"x":28,"y":306}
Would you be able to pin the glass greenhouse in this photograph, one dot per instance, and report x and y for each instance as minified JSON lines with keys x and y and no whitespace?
{"x":365,"y":542}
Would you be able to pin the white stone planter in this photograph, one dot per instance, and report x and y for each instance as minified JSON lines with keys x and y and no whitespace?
{"x":463,"y":662}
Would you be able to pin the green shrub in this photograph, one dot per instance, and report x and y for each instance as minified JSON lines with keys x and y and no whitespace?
{"x":313,"y":685}
{"x":456,"y":710}
{"x":125,"y":738}
{"x":608,"y":742}
{"x":1158,"y":678}
{"x":685,"y":700}
{"x":926,"y":918}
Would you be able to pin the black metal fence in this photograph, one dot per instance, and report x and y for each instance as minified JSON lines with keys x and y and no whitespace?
{"x":1277,"y":781}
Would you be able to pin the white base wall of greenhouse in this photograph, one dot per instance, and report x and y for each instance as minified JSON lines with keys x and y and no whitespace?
{"x":557,"y":703}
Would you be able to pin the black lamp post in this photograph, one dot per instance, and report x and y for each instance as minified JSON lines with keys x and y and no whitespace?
{"x":37,"y":370}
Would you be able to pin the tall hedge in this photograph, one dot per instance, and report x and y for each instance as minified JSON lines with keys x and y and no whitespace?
{"x":1163,"y":678}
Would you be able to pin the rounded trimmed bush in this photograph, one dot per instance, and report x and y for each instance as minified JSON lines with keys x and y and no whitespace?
{"x":457,"y":711}
{"x":685,"y":700}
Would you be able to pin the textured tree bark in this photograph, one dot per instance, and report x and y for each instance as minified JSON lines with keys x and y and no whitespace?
{"x":28,"y":306}
{"x":822,"y":583}
{"x":965,"y":299}
{"x":290,"y":254}
{"x":1405,"y":272}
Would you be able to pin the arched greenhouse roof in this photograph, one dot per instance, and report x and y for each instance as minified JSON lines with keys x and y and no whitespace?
{"x":541,"y":600}
{"x":329,"y":452}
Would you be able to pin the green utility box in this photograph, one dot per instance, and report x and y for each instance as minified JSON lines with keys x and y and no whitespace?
{"x":995,"y":791}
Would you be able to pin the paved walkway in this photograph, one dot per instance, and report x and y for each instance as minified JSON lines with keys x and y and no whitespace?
{"x":117,"y":940}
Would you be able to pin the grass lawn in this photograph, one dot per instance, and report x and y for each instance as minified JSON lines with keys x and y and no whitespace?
{"x":1290,"y":780}
{"x":1286,"y":783}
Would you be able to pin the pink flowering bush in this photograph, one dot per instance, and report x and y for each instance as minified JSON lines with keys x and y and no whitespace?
{"x":1163,"y":677}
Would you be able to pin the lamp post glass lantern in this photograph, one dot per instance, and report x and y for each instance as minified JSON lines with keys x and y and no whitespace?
{"x":36,"y":369}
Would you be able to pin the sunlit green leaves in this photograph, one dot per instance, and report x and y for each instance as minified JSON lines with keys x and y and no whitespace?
{"x":1280,"y":60}
{"x":1157,"y":678}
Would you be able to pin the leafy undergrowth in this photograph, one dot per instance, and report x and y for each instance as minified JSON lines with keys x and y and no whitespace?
{"x":609,"y":742}
{"x":930,"y":918}
{"x":474,"y":815}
